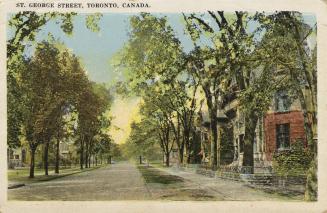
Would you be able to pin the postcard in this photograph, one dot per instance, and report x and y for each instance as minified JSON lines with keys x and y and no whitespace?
{"x":154,"y":106}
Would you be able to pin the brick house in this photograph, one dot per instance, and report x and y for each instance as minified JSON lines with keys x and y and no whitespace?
{"x":277,"y":130}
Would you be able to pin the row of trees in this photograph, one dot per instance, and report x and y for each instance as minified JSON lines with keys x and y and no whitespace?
{"x":251,"y":55}
{"x":55,"y":101}
{"x":50,"y":98}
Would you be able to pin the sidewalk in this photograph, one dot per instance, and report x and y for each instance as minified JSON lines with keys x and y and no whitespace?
{"x":228,"y":189}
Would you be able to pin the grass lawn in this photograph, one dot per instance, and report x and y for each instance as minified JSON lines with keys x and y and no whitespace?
{"x":22,"y":175}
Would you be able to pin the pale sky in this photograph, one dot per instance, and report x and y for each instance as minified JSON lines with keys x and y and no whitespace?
{"x":124,"y":112}
{"x":97,"y":49}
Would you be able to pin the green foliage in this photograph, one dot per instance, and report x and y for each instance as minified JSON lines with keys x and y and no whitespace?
{"x":41,"y":99}
{"x":143,"y":140}
{"x":257,"y":96}
{"x":14,"y":110}
{"x":152,"y":53}
{"x":116,"y":151}
{"x":91,"y":106}
{"x":226,"y":146}
{"x":92,"y":22}
{"x":311,"y":193}
{"x":287,"y":43}
{"x":51,"y":97}
{"x":27,"y":24}
{"x":156,"y":65}
{"x":293,"y":162}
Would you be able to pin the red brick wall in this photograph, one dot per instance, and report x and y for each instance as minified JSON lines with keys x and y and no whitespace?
{"x":296,"y":121}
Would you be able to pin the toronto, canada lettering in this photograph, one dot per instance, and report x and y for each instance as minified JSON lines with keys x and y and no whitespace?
{"x":135,"y":5}
{"x":102,"y":5}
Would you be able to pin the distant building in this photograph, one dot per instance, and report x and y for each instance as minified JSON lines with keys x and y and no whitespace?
{"x":20,"y":156}
{"x":17,"y":157}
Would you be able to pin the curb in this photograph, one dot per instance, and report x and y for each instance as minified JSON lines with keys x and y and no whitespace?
{"x":16,"y":186}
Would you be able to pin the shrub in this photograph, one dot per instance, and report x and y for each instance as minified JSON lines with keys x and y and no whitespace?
{"x":292,"y":162}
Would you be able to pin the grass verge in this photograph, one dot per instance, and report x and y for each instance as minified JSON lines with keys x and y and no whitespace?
{"x":153,"y":175}
{"x":21,"y":176}
{"x":164,"y":186}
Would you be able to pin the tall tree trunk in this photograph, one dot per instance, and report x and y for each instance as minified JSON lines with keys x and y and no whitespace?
{"x":81,"y":161}
{"x":309,"y":127}
{"x":188,"y":153}
{"x":32,"y":164}
{"x":214,"y":141}
{"x":91,"y":156}
{"x":212,"y":103}
{"x":86,"y":155}
{"x":180,"y":145}
{"x":181,"y":153}
{"x":307,"y":123}
{"x":167,"y":159}
{"x":250,"y":126}
{"x":187,"y":145}
{"x":46,"y":158}
{"x":57,"y":157}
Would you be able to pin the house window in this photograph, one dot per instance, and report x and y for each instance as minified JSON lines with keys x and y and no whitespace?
{"x":283,"y":136}
{"x":282,"y":101}
{"x":17,"y":157}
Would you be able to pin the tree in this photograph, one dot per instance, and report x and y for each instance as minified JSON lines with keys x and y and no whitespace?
{"x":26,"y":24}
{"x":160,"y":62}
{"x":208,"y":66}
{"x":39,"y":98}
{"x":14,"y":109}
{"x":289,"y":38}
{"x":93,"y":102}
{"x":238,"y":60}
{"x":143,"y":141}
{"x":116,"y":151}
{"x":103,"y":147}
{"x":161,"y":118}
{"x":289,"y":48}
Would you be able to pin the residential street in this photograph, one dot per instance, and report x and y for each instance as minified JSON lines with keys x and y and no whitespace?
{"x":115,"y":182}
{"x":211,"y":105}
{"x":125,"y":181}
